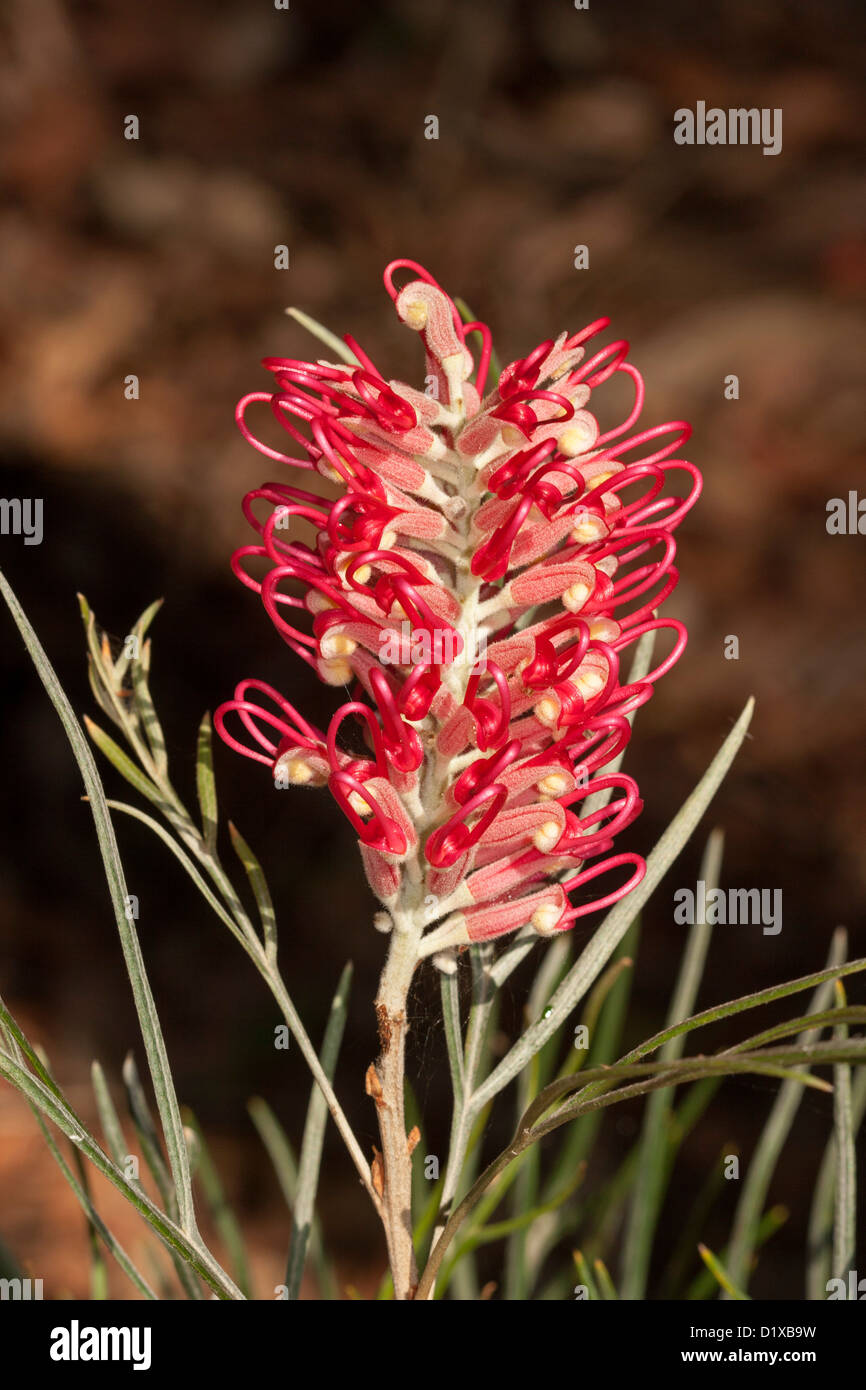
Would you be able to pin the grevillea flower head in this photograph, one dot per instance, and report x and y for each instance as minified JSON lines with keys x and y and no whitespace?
{"x":490,"y":561}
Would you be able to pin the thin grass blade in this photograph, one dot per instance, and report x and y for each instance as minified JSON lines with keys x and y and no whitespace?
{"x":314,"y":1137}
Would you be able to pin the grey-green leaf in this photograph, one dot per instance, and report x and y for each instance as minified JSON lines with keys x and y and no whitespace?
{"x":125,"y":766}
{"x":206,"y":784}
{"x":259,"y":885}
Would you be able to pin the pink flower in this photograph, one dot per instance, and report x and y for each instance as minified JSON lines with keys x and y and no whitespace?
{"x":506,"y":522}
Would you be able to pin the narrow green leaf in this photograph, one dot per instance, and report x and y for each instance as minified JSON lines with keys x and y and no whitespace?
{"x":147,"y":713}
{"x":585,"y":1277}
{"x":464,"y":1149}
{"x":110,"y":1120}
{"x":606,"y":1285}
{"x":152,"y":1154}
{"x":427,"y":1219}
{"x":821,"y":1217}
{"x":845,"y":1215}
{"x":279,"y":1150}
{"x":719,"y":1273}
{"x":144,"y":1002}
{"x":653,"y":1168}
{"x":97,"y":1227}
{"x":495,"y":369}
{"x":706,"y":1285}
{"x":462,"y":1260}
{"x":138,"y":631}
{"x":519,"y":1265}
{"x":795,"y":1025}
{"x":483,"y":1231}
{"x":225,"y":1220}
{"x":99,"y":664}
{"x":147,"y":1135}
{"x":57,"y":1110}
{"x":125,"y":766}
{"x":747,"y":1001}
{"x":604,"y":1015}
{"x":314,"y":1137}
{"x":781,"y":1062}
{"x":193,"y":1148}
{"x":142,"y":625}
{"x":262,"y":893}
{"x":98,"y":691}
{"x":206,"y":785}
{"x":20,"y":1049}
{"x":342,"y":350}
{"x":763,"y":1162}
{"x":450,"y":996}
{"x":765,"y":1063}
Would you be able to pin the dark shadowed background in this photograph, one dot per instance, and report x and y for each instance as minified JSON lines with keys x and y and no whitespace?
{"x":156,"y":257}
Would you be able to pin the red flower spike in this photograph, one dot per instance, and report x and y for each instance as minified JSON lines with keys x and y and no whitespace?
{"x":513,"y":519}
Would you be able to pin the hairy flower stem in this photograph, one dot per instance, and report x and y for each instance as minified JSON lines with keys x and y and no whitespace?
{"x":386,"y":1086}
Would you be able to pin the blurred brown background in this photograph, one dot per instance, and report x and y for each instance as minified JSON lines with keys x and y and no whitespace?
{"x":155,"y":257}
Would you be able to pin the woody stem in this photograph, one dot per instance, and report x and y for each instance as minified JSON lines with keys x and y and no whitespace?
{"x":386,"y":1088}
